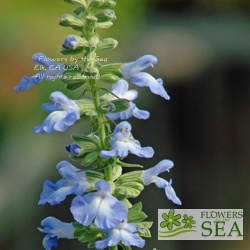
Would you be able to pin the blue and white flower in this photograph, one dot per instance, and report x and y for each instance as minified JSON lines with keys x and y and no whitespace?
{"x":55,"y":229}
{"x":151,"y":176}
{"x":122,"y":142}
{"x":106,"y":211}
{"x":74,"y":181}
{"x":134,"y":68}
{"x":120,"y":89}
{"x":74,"y":149}
{"x":124,"y":232}
{"x":54,"y":70}
{"x":156,"y":86}
{"x":70,"y":42}
{"x":63,"y":113}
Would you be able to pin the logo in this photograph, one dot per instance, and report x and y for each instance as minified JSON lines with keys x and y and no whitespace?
{"x":200,"y":224}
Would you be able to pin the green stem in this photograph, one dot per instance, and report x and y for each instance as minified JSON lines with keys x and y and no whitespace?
{"x":113,"y":248}
{"x":101,"y":117}
{"x":101,"y":132}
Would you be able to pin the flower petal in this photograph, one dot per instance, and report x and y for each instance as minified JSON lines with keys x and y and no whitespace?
{"x":57,"y":120}
{"x":146,"y":80}
{"x":55,"y":194}
{"x":133,"y":68}
{"x":171,"y":195}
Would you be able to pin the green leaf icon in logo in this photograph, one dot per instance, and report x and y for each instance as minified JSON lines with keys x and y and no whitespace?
{"x":188,"y":221}
{"x":170,"y":219}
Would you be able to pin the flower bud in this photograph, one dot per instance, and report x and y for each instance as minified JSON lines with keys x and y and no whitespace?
{"x":73,"y":78}
{"x":74,"y":42}
{"x":114,"y":69}
{"x":81,"y":2}
{"x":106,"y":44}
{"x":102,"y":4}
{"x":109,"y":78}
{"x":79,"y":10}
{"x":68,"y":20}
{"x":106,"y":15}
{"x":104,"y":25}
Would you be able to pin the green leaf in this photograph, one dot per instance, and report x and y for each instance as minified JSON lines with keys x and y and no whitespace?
{"x":100,"y":4}
{"x":88,"y":139}
{"x":103,"y":25}
{"x":81,"y":2}
{"x":91,"y":244}
{"x":74,"y":86}
{"x":114,"y":69}
{"x":88,"y":145}
{"x":90,"y":158}
{"x":116,"y":172}
{"x":77,"y":225}
{"x":135,"y":214}
{"x":129,"y":190}
{"x":66,"y":52}
{"x":73,"y":78}
{"x":124,"y":164}
{"x":68,"y":20}
{"x":146,"y":233}
{"x":106,"y":44}
{"x":94,"y":176}
{"x":130,"y":177}
{"x":79,"y":10}
{"x":87,"y":107}
{"x":109,"y":78}
{"x":137,"y":207}
{"x":105,"y":15}
{"x":120,"y":105}
{"x":144,"y":224}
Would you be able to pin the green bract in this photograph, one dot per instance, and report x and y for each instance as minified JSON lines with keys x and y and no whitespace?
{"x":72,"y":21}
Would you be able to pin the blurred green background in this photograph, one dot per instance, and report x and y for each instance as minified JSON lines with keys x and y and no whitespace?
{"x":203,"y":49}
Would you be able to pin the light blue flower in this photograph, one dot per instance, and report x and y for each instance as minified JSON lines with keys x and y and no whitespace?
{"x":74,"y":181}
{"x":151,"y":176}
{"x":63,"y":113}
{"x":55,"y":229}
{"x":107,"y":211}
{"x":74,"y":149}
{"x":155,"y":86}
{"x":124,"y":232}
{"x":120,"y":89}
{"x":133,"y":68}
{"x":53,"y":70}
{"x":170,"y":193}
{"x":131,"y":111}
{"x":122,"y":142}
{"x":70,"y":42}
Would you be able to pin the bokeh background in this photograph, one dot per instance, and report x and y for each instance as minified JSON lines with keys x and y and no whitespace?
{"x":203,"y":47}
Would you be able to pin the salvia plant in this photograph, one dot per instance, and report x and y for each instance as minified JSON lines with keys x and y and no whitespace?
{"x":103,"y":215}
